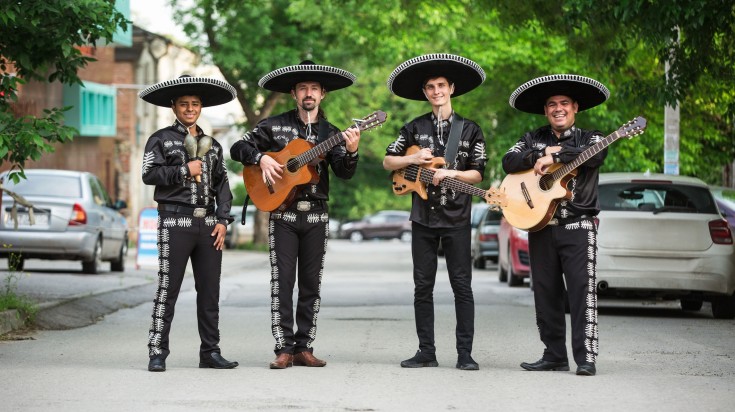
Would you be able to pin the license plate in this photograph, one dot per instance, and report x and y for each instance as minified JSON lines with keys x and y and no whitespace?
{"x":41,"y":219}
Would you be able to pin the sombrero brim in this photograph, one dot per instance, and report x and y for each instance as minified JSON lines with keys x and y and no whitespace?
{"x":531,"y":96}
{"x":213,"y":92}
{"x":284,"y":79}
{"x":407,"y":80}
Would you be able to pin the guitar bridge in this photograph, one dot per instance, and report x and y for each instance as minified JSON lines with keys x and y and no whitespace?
{"x":526,"y":195}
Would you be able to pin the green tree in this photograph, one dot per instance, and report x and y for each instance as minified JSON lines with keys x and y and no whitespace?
{"x":38,"y":41}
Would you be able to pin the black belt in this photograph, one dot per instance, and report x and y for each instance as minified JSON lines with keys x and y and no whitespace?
{"x":307,"y":205}
{"x":187,"y":210}
{"x":563,"y":221}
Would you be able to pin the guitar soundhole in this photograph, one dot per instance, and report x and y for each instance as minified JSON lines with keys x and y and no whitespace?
{"x":546,"y":182}
{"x":292,"y":165}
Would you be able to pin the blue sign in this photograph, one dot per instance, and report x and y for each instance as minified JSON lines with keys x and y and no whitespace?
{"x":147,"y":238}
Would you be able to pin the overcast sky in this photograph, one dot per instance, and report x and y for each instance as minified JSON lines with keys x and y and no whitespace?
{"x":155,"y":16}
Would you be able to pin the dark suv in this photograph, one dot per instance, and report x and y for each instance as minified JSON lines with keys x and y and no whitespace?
{"x":386,"y":224}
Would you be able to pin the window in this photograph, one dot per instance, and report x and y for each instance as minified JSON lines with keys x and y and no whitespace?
{"x":656,"y":197}
{"x":47,"y":185}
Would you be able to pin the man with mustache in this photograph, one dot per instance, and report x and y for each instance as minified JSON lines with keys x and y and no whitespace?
{"x":298,"y":231}
{"x":566,"y":248}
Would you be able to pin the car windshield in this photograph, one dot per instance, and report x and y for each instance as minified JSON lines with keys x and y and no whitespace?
{"x":476,"y":215}
{"x":656,"y":197}
{"x":47,"y":185}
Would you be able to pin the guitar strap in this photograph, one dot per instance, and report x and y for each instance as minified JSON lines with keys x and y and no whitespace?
{"x":323,"y":133}
{"x":453,"y":142}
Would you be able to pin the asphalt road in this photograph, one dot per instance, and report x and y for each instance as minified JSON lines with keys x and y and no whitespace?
{"x":652,"y":355}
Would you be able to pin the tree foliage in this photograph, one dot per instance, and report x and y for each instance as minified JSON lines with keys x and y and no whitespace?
{"x":614,"y":42}
{"x":39,"y":40}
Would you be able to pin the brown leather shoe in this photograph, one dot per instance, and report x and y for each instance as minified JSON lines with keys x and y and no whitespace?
{"x":282,"y":361}
{"x":307,"y":359}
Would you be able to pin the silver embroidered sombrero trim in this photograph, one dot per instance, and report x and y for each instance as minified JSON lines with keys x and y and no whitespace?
{"x":306,"y":68}
{"x":433,"y":57}
{"x":558,"y":77}
{"x":189,"y":81}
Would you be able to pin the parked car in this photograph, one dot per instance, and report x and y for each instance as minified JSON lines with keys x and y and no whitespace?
{"x":663,"y":236}
{"x":485,"y":245}
{"x":514,"y":263}
{"x":238,"y":233}
{"x":725,"y":198}
{"x":75,"y":219}
{"x":386,"y":224}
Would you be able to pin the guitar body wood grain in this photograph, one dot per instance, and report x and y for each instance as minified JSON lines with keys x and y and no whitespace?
{"x":283,"y":190}
{"x":530,"y":206}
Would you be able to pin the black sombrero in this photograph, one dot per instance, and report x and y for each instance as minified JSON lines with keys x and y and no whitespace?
{"x":531,"y":96}
{"x":212,"y":91}
{"x":284,"y":79}
{"x":407,"y":80}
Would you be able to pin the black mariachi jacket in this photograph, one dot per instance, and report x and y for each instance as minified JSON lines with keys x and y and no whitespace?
{"x":164,"y":165}
{"x":274,"y":133}
{"x":529,"y":148}
{"x":444,"y":207}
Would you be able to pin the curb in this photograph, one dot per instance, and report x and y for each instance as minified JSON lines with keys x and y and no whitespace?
{"x":10,"y":320}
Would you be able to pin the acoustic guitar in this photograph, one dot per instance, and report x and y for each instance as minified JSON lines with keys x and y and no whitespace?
{"x":299,"y":158}
{"x":531,"y":200}
{"x":414,"y":178}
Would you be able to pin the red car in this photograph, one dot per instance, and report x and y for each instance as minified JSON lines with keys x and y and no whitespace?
{"x":513,"y":258}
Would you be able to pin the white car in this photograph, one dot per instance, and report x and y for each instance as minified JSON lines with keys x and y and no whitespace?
{"x":663,"y":236}
{"x":75,"y":219}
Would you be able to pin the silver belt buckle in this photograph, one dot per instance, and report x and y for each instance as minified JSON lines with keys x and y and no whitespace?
{"x":553,"y":222}
{"x":200,"y":212}
{"x":303,"y":206}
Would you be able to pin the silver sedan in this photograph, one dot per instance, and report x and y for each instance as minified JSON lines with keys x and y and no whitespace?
{"x":75,"y":219}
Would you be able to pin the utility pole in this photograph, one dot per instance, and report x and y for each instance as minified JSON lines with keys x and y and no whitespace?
{"x":671,"y":127}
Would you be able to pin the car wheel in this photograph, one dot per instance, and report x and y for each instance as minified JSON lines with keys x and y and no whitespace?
{"x":118,"y":265}
{"x":513,"y":280}
{"x":724,"y":307}
{"x":691,"y":305}
{"x":479,"y":263}
{"x":406,"y":236}
{"x":16,"y":263}
{"x":92,"y":266}
{"x":356,"y":236}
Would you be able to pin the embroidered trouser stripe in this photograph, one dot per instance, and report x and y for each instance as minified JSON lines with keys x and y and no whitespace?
{"x":297,"y":241}
{"x":558,"y":254}
{"x":181,"y":237}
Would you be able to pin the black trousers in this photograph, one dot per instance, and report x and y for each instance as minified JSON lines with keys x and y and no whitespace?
{"x":456,"y":245}
{"x":179,"y":238}
{"x":566,"y":252}
{"x":298,"y":241}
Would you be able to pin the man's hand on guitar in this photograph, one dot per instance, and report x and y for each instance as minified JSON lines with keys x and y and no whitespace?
{"x":272,"y":170}
{"x":422,"y":157}
{"x":441,"y":174}
{"x":352,"y":139}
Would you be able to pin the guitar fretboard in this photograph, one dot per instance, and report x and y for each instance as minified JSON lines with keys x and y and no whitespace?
{"x":416,"y":173}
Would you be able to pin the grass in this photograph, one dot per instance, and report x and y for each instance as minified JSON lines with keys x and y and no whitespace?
{"x":9,"y":299}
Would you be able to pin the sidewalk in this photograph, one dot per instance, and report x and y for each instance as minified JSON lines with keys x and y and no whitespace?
{"x":67,"y":298}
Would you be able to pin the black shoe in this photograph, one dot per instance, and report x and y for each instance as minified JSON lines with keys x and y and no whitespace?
{"x":157,"y":365}
{"x":466,"y":363}
{"x":586,"y":369}
{"x":420,"y":360}
{"x":544,"y":365}
{"x":216,"y":361}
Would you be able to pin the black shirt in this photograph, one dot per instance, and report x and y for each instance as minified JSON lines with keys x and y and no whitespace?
{"x":529,"y":148}
{"x":164,"y":165}
{"x":444,"y":207}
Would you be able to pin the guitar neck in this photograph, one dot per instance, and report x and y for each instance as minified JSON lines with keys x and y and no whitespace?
{"x":585,"y":156}
{"x":426,"y":176}
{"x":319,"y":150}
